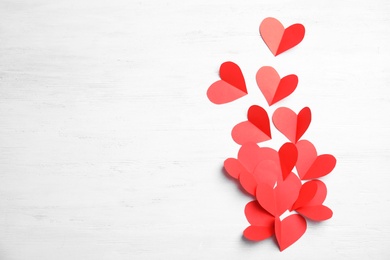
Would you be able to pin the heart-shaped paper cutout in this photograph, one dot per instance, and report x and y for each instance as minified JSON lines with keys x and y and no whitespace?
{"x":250,"y":154}
{"x":289,"y":230}
{"x":233,"y":167}
{"x":267,"y":172}
{"x":231,"y":86}
{"x":272,"y":86}
{"x":276,"y":200}
{"x":288,"y":155}
{"x":291,"y":125}
{"x":257,"y":216}
{"x":248,"y":182}
{"x":309,"y":165}
{"x":279,"y":39}
{"x":255,"y":130}
{"x":262,"y":223}
{"x":312,"y":193}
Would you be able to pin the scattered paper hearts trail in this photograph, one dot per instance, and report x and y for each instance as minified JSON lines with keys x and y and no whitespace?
{"x":284,"y":184}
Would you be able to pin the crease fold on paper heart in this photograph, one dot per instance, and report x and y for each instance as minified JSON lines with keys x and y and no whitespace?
{"x":273,"y":87}
{"x":230,"y":87}
{"x":277,"y":38}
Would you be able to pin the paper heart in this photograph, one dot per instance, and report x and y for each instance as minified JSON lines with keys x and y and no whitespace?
{"x":272,"y":86}
{"x":288,"y":155}
{"x":255,"y":130}
{"x":279,"y":39}
{"x":262,"y":223}
{"x":231,"y":86}
{"x":233,"y":167}
{"x":250,"y":155}
{"x":276,"y":200}
{"x":309,"y":165}
{"x":257,"y":216}
{"x":289,"y":230}
{"x":310,"y":199}
{"x":291,"y":125}
{"x":312,"y":193}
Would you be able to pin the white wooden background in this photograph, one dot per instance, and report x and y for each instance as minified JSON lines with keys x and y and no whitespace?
{"x":110,"y":148}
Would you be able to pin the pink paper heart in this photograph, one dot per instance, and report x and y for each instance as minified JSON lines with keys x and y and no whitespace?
{"x":255,"y":130}
{"x":273,"y":87}
{"x":293,"y":126}
{"x":231,"y":86}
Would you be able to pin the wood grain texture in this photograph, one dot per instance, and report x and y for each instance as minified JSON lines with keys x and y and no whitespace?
{"x":109,"y":148}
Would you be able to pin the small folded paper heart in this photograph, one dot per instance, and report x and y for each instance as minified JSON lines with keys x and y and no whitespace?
{"x":309,"y":165}
{"x":276,"y":200}
{"x":255,"y":130}
{"x":310,"y":199}
{"x":257,"y":216}
{"x":289,"y":230}
{"x":273,"y":87}
{"x":312,"y":193}
{"x":231,"y":86}
{"x":279,"y":39}
{"x":291,"y":125}
{"x":262,"y":223}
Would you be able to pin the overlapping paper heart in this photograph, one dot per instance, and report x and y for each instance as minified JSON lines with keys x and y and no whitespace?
{"x":283,"y":183}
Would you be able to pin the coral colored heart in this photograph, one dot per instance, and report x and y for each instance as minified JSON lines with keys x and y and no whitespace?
{"x":310,"y":199}
{"x":276,"y":200}
{"x":262,"y":223}
{"x":273,"y":87}
{"x":309,"y":165}
{"x":289,"y":230}
{"x":255,"y":130}
{"x":279,"y":39}
{"x":231,"y":86}
{"x":291,"y":125}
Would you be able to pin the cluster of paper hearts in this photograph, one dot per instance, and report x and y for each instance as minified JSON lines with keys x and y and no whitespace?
{"x":283,"y":182}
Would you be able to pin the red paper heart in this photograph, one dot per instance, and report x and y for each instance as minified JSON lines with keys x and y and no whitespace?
{"x":289,"y":230}
{"x":276,"y":200}
{"x":279,"y":39}
{"x":310,"y":199}
{"x":291,"y":125}
{"x":255,"y":130}
{"x":262,"y":223}
{"x":288,"y":155}
{"x":231,"y":86}
{"x":250,"y":155}
{"x":273,"y":88}
{"x":309,"y":165}
{"x":312,"y":193}
{"x":257,"y":216}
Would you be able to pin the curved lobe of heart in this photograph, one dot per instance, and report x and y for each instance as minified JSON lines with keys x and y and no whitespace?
{"x":291,"y":125}
{"x":279,"y":39}
{"x":231,"y":86}
{"x":255,"y":130}
{"x":316,"y":213}
{"x":289,"y":230}
{"x":233,"y":167}
{"x":309,"y":165}
{"x":273,"y":88}
{"x":258,"y":233}
{"x":257,"y":216}
{"x":248,"y":182}
{"x":288,"y":155}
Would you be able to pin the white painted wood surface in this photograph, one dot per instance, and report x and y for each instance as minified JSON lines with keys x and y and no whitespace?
{"x":110,"y":149}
